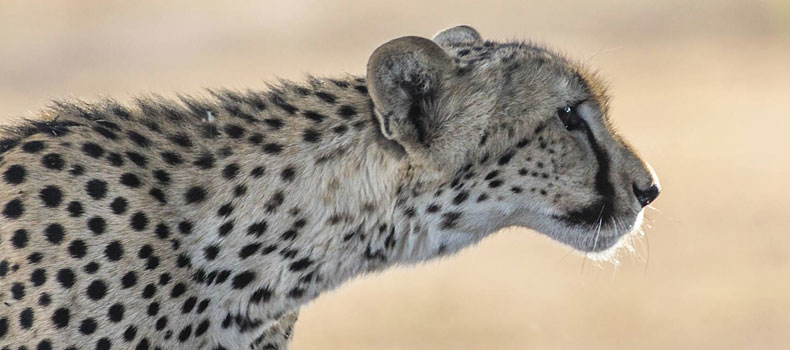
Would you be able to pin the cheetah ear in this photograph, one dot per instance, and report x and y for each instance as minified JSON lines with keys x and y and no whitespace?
{"x":404,"y":76}
{"x":458,"y":35}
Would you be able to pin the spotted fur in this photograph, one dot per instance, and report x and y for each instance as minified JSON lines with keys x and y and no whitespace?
{"x":205,"y":223}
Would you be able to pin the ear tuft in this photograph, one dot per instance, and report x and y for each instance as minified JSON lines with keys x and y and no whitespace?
{"x":458,"y":35}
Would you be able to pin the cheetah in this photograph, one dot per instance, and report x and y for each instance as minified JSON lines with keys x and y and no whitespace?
{"x":206,"y":223}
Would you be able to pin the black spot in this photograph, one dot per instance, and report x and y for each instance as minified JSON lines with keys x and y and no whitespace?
{"x":225,"y":229}
{"x":96,"y":290}
{"x":327,"y":97}
{"x":185,"y":227}
{"x":91,"y":268}
{"x":44,"y":299}
{"x":18,"y":291}
{"x":185,"y":333}
{"x":347,"y":112}
{"x":188,"y":305}
{"x":460,"y":197}
{"x":158,"y":194}
{"x":261,"y":295}
{"x":3,"y":327}
{"x":77,"y":249}
{"x":54,"y":233}
{"x":130,"y":180}
{"x":33,"y":146}
{"x":115,"y":159}
{"x":340,"y":129}
{"x":234,"y":131}
{"x":25,"y":318}
{"x":103,"y":344}
{"x":202,"y":306}
{"x":145,"y":252}
{"x":288,"y":235}
{"x":195,"y":194}
{"x":129,"y":279}
{"x":311,"y":136}
{"x":300,"y":264}
{"x":92,"y":149}
{"x":45,"y":344}
{"x":88,"y":326}
{"x":205,"y":161}
{"x":279,"y":102}
{"x":257,"y":228}
{"x":171,"y":158}
{"x":35,"y":258}
{"x":274,"y":123}
{"x":181,"y":140}
{"x":178,"y":290}
{"x":162,"y":231}
{"x":139,"y":221}
{"x":495,"y":183}
{"x":53,"y":161}
{"x":66,"y":278}
{"x":38,"y":277}
{"x":272,"y":148}
{"x":239,"y":190}
{"x":242,"y":279}
{"x":119,"y":205}
{"x":15,"y":174}
{"x":450,"y":220}
{"x":61,"y":317}
{"x":211,"y":252}
{"x":137,"y":159}
{"x":248,"y":250}
{"x":202,"y":328}
{"x":140,"y":140}
{"x":257,"y":172}
{"x":115,"y":313}
{"x":506,"y":158}
{"x":276,"y":201}
{"x":105,"y":132}
{"x":296,"y":293}
{"x":97,"y":189}
{"x":314,"y":116}
{"x":13,"y":209}
{"x":287,"y":174}
{"x":20,"y":238}
{"x":361,"y":89}
{"x":162,"y":176}
{"x":113,"y":251}
{"x":77,"y":170}
{"x":149,"y":291}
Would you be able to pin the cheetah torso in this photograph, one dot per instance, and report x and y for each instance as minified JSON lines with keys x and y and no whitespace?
{"x":123,"y":228}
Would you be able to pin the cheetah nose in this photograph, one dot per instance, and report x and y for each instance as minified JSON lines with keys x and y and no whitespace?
{"x":646,"y":196}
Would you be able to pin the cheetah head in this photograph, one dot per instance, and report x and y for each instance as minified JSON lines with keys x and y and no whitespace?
{"x":519,"y":134}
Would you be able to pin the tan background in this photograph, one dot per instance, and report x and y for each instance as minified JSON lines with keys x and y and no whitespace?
{"x":702,"y":89}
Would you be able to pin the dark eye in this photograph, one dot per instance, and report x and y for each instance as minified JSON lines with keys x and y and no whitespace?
{"x":569,"y":117}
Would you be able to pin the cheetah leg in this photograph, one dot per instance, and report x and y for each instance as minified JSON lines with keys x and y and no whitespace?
{"x":278,"y":335}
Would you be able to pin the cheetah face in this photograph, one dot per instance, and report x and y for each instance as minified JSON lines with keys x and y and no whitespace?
{"x":520,"y":133}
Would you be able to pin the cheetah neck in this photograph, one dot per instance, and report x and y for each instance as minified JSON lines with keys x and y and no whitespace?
{"x":327,"y":206}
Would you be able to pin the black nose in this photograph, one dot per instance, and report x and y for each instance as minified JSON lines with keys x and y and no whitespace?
{"x":647,"y":196}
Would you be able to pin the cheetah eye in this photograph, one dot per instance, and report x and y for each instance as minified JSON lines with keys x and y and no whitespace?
{"x":569,"y":117}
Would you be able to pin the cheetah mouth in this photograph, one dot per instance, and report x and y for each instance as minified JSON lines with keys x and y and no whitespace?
{"x":596,"y":227}
{"x":598,"y":213}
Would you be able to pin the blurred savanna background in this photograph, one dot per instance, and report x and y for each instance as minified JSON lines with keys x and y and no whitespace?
{"x":700,"y":88}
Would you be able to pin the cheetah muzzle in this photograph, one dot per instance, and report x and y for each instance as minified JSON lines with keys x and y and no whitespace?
{"x":205,"y":223}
